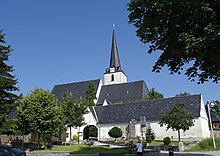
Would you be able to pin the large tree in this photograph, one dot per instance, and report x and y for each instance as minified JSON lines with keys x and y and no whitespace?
{"x":7,"y":81}
{"x":41,"y":112}
{"x":177,"y":119}
{"x":153,"y":94}
{"x":187,"y":32}
{"x":73,"y":109}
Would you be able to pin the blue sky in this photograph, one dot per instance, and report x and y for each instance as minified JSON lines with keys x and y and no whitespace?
{"x":58,"y":41}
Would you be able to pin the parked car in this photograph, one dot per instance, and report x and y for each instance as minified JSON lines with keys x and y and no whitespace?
{"x":11,"y":151}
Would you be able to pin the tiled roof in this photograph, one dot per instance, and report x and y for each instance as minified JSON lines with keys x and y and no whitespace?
{"x":151,"y":109}
{"x":120,"y":93}
{"x":78,"y":89}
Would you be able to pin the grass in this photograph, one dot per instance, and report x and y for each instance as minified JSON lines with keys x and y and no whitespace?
{"x":82,"y":149}
{"x":160,"y":142}
{"x":206,"y":145}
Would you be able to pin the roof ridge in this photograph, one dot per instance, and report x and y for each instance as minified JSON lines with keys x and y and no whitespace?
{"x":77,"y":82}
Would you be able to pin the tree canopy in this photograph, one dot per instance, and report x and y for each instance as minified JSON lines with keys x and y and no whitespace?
{"x":7,"y":81}
{"x":153,"y":94}
{"x":186,"y":32}
{"x":73,"y":109}
{"x":90,"y":94}
{"x":41,"y":112}
{"x":177,"y":119}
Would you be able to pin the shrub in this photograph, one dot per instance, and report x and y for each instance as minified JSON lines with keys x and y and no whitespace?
{"x":166,"y":141}
{"x":115,"y":132}
{"x":93,"y":132}
{"x":148,"y":138}
{"x":75,"y":137}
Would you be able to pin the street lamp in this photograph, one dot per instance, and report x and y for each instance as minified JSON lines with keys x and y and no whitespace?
{"x":210,"y":120}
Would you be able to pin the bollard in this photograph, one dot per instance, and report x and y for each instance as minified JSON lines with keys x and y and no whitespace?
{"x":170,"y":151}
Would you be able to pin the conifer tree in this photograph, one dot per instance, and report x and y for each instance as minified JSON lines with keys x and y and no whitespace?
{"x":7,"y":81}
{"x":90,"y":94}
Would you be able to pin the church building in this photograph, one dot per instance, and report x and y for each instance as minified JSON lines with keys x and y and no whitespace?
{"x":122,"y":104}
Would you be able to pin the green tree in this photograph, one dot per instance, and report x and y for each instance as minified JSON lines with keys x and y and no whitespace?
{"x":115,"y":132}
{"x":182,"y":94}
{"x":153,"y":94}
{"x":90,"y":94}
{"x":73,"y":109}
{"x":7,"y":81}
{"x":177,"y":119}
{"x":41,"y":111}
{"x":150,"y":133}
{"x":186,"y":32}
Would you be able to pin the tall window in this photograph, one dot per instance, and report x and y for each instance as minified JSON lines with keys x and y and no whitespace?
{"x":112,"y":77}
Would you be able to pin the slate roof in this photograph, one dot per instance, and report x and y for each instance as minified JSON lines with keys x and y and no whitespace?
{"x":114,"y":61}
{"x":78,"y":89}
{"x":151,"y":109}
{"x":120,"y":93}
{"x":214,"y":116}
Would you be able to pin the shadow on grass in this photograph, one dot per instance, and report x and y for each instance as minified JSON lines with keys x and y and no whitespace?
{"x":100,"y":149}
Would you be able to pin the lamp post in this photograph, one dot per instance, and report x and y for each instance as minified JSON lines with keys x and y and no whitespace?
{"x":210,"y":121}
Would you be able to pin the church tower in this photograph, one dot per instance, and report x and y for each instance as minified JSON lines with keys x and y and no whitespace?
{"x":114,"y":74}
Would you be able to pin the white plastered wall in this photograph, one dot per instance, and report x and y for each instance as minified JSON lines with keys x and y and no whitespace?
{"x":119,"y":77}
{"x":105,"y":128}
{"x":89,"y":120}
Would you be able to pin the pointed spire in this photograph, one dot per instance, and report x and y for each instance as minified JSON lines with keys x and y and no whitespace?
{"x":114,"y":61}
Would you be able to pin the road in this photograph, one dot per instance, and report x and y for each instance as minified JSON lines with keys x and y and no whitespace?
{"x":211,"y":153}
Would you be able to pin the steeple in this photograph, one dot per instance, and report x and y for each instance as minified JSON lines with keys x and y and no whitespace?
{"x":114,"y":60}
{"x":114,"y":74}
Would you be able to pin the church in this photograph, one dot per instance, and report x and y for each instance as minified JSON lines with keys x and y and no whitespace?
{"x":122,"y":104}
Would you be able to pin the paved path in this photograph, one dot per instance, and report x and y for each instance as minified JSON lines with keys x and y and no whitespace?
{"x":210,"y":153}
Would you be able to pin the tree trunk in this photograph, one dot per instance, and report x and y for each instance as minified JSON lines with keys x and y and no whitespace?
{"x":178,"y":135}
{"x":38,"y":141}
{"x":70,"y":135}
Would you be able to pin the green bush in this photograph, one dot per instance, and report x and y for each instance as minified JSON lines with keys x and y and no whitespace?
{"x":115,"y":132}
{"x":166,"y":141}
{"x":148,"y":138}
{"x":93,"y":131}
{"x":206,"y":145}
{"x":75,"y":137}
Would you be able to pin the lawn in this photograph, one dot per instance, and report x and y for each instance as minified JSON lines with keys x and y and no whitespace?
{"x":206,"y":145}
{"x":83,"y":149}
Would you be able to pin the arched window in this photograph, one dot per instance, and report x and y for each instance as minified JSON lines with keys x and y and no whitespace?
{"x":113,"y":78}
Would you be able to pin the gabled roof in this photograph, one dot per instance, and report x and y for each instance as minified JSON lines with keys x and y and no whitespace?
{"x":120,"y":93}
{"x":151,"y":109}
{"x":78,"y":89}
